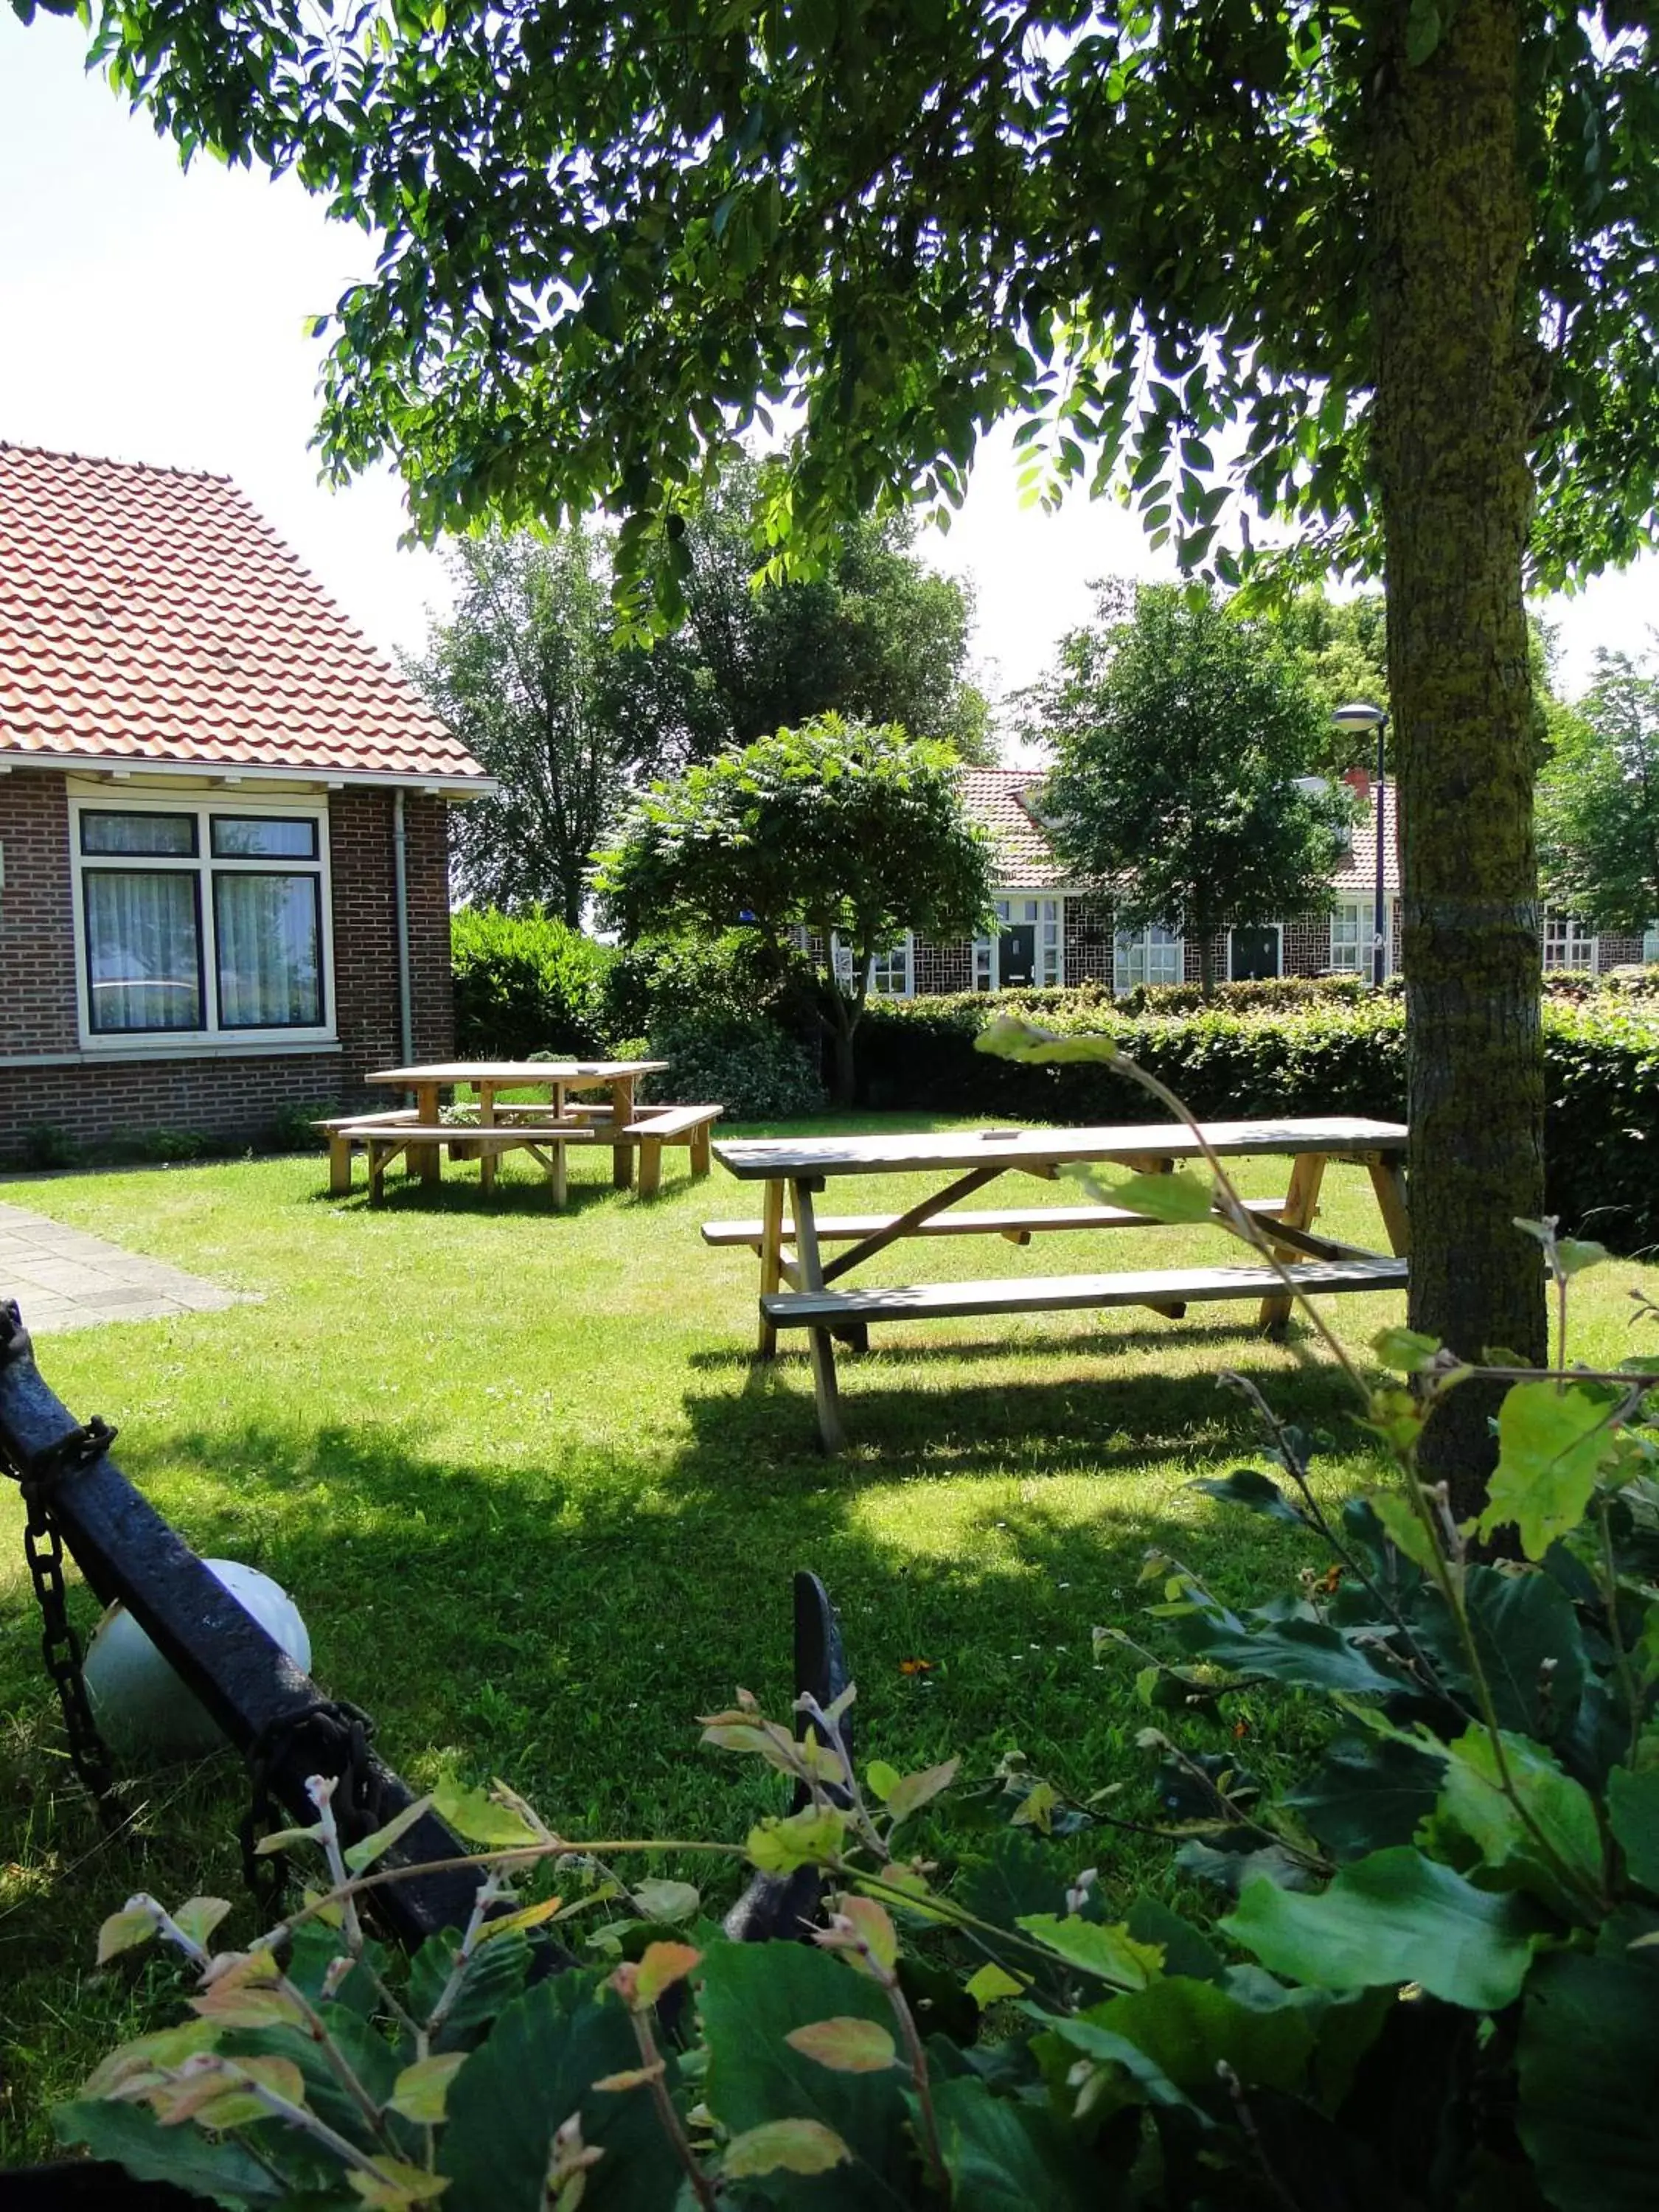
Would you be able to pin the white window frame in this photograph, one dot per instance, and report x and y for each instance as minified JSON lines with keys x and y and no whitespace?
{"x":204,"y":864}
{"x":1128,"y":942}
{"x":1278,"y":927}
{"x":1650,"y":945}
{"x":1046,"y":912}
{"x":900,"y":957}
{"x":1564,"y":934}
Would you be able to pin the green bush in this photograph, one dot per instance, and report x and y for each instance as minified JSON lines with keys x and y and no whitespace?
{"x":48,"y":1144}
{"x":294,"y":1128}
{"x":743,"y":1062}
{"x":660,"y":982}
{"x":1332,"y":1055}
{"x":526,"y":984}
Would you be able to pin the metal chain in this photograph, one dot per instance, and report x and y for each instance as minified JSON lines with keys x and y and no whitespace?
{"x":357,"y":1797}
{"x":60,"y":1647}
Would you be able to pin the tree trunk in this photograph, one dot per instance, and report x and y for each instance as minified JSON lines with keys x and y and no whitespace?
{"x":1455,"y":401}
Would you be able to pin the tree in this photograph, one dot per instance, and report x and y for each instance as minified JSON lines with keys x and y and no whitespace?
{"x":1403,"y":256}
{"x":1181,"y":732}
{"x":1341,"y":648}
{"x":527,"y":677}
{"x":879,"y":637}
{"x":850,"y":832}
{"x":1599,"y":800}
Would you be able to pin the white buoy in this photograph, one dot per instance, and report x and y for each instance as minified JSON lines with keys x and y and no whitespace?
{"x":140,"y":1704}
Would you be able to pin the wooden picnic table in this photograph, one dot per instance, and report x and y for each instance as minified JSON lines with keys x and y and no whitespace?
{"x":800,"y":1168}
{"x":560,"y":1078}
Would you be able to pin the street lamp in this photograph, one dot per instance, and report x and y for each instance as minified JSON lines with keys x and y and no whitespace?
{"x":1359,"y":717}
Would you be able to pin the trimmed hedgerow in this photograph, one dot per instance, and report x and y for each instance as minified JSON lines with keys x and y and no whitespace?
{"x":526,"y":984}
{"x":1332,"y":1055}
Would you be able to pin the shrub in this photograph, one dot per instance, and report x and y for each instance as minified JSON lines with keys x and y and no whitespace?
{"x":146,"y":1147}
{"x":741,"y":1061}
{"x":293,"y":1128}
{"x":1334,"y":1054}
{"x":660,"y":982}
{"x":46,"y":1144}
{"x":526,"y":984}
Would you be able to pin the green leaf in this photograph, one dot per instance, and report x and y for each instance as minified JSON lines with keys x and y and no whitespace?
{"x":475,"y":1815}
{"x":882,"y":1778}
{"x":133,"y":2137}
{"x":1109,"y":1952}
{"x":1366,"y":1795}
{"x":360,"y":1857}
{"x":1004,"y":2155}
{"x":1403,"y":1529}
{"x":1406,"y":1349}
{"x":1587,"y":2113}
{"x":846,"y":2045}
{"x":1394,"y":1917}
{"x":1565,"y":1868}
{"x":494,"y":1978}
{"x":1633,"y":1816}
{"x":1309,"y":1653}
{"x":783,"y":2146}
{"x":124,"y":1931}
{"x":812,"y":1837}
{"x":912,"y":1791}
{"x":667,"y":1901}
{"x":200,"y":1916}
{"x":544,"y":2053}
{"x":1551,"y":1444}
{"x":1188,"y":2028}
{"x":422,"y":2091}
{"x":1255,"y":1492}
{"x":1574,"y":1253}
{"x":1528,"y":1642}
{"x":991,"y":1983}
{"x":752,"y":1998}
{"x":1175,"y":1198}
{"x":1423,"y":32}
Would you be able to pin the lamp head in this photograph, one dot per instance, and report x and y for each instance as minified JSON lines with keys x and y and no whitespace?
{"x":1359,"y":716}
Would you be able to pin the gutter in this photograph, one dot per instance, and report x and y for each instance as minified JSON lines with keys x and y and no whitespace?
{"x":400,"y":900}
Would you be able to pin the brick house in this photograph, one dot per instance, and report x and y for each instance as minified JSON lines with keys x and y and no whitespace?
{"x":223,"y":817}
{"x":1055,"y":931}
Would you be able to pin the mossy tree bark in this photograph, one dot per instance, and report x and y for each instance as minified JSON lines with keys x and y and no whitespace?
{"x":1457,"y":394}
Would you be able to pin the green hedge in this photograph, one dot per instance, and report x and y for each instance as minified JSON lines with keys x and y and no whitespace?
{"x":1333,"y":1055}
{"x":526,"y":984}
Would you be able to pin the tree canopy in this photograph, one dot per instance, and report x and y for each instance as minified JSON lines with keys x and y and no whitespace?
{"x":879,"y":636}
{"x":1385,"y":276}
{"x":527,"y":675}
{"x":1182,"y":733}
{"x":1599,"y":799}
{"x":850,"y":832}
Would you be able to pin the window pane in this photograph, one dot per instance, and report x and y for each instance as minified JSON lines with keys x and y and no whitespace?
{"x":270,"y":939}
{"x":255,"y":836}
{"x":138,"y":833}
{"x":143,"y":969}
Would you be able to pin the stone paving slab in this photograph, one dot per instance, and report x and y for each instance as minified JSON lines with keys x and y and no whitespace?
{"x":66,"y":1278}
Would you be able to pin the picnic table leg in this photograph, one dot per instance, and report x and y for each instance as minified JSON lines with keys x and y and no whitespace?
{"x":486,"y":1154}
{"x":621,"y":1113}
{"x":819,"y":1342}
{"x":1389,"y":1182}
{"x":1301,"y":1205}
{"x":771,"y":1259}
{"x":650,"y":1166}
{"x":700,"y":1148}
{"x":339,"y":1165}
{"x":425,"y":1159}
{"x":557,"y":1176}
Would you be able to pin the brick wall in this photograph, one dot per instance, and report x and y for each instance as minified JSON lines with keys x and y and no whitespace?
{"x":231,"y":1099}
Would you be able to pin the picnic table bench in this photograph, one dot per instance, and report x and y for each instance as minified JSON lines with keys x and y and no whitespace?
{"x":799,"y":1169}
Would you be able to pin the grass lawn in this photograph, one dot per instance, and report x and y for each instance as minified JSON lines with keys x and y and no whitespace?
{"x":539,"y":1511}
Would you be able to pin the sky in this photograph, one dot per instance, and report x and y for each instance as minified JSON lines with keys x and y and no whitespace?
{"x":159,"y":316}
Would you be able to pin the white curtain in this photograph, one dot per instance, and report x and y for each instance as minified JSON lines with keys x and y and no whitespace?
{"x":270,"y":953}
{"x":143,"y":957}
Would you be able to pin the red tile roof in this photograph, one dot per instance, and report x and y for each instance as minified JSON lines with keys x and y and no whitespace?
{"x":152,"y":615}
{"x":1007,"y":802}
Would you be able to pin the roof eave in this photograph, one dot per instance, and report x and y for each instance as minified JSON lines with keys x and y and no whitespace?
{"x":446,"y":783}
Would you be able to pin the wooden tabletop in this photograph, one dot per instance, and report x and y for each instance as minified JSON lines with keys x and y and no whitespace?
{"x":758,"y":1159}
{"x":515,"y":1071}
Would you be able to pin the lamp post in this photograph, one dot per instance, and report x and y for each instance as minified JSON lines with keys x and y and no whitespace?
{"x":1357,"y":718}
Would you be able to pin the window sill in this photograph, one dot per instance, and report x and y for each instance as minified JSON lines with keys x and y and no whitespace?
{"x":104,"y":1055}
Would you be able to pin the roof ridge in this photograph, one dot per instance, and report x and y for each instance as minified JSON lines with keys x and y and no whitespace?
{"x":113,"y":461}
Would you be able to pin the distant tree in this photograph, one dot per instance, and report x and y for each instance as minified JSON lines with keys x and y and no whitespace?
{"x":527,"y":675}
{"x":1598,"y":799}
{"x":879,"y":637}
{"x":850,"y":831}
{"x":1341,"y":646}
{"x":1181,"y":732}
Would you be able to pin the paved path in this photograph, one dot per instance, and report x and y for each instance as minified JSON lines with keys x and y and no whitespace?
{"x":65,"y":1278}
